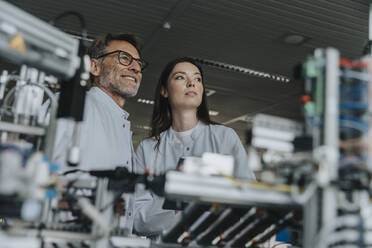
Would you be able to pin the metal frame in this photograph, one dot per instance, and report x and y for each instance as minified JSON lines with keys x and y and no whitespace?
{"x":222,"y":190}
{"x":52,"y":50}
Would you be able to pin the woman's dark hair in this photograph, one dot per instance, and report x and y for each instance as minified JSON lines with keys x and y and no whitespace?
{"x":162,"y":114}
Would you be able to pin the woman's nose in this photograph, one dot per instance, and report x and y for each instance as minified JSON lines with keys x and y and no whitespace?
{"x":190,"y":83}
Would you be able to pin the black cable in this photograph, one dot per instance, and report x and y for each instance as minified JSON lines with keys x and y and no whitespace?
{"x":361,"y":233}
{"x":70,"y":245}
{"x":84,"y":245}
{"x":72,"y":13}
{"x":69,"y":196}
{"x":73,"y":171}
{"x":112,"y":244}
{"x":367,"y":48}
{"x":281,"y":243}
{"x":113,"y":202}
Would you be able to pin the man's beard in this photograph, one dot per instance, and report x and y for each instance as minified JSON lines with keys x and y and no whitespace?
{"x":110,"y":80}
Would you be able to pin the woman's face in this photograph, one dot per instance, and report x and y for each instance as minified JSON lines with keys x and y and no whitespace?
{"x":185,"y":87}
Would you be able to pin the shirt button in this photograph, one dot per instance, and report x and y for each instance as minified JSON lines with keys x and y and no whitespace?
{"x":187,"y":148}
{"x":127,"y":162}
{"x":124,"y":125}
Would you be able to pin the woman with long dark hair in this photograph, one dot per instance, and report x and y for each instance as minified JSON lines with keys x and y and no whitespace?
{"x":181,"y":127}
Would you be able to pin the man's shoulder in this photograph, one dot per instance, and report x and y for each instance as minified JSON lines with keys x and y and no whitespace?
{"x":92,"y":103}
{"x":91,"y":96}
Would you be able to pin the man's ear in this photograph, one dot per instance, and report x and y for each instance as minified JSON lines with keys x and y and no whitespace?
{"x":163,"y":92}
{"x":95,"y":67}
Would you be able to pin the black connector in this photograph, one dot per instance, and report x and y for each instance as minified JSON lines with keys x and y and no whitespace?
{"x":229,"y":217}
{"x":192,"y":212}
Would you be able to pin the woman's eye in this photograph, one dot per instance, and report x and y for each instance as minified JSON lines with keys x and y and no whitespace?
{"x":198,"y":80}
{"x":179,"y":77}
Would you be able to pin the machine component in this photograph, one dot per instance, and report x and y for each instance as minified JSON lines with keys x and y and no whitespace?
{"x":231,"y":226}
{"x":231,"y":232}
{"x":25,"y":39}
{"x":42,"y":48}
{"x":262,"y":221}
{"x":224,"y":190}
{"x":337,"y":114}
{"x":27,"y":178}
{"x":272,"y":230}
{"x":274,"y":133}
{"x":228,"y":218}
{"x":203,"y":223}
{"x":208,"y":164}
{"x":189,"y":215}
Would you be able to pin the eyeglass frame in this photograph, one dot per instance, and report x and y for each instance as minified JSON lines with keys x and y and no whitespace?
{"x":139,"y":61}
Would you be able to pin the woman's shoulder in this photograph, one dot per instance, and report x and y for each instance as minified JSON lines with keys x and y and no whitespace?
{"x":150,"y":144}
{"x":222,"y":132}
{"x":151,"y":141}
{"x":147,"y":142}
{"x":221,"y":128}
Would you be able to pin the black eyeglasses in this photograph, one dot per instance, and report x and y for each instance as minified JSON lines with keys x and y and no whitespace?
{"x":126,"y":59}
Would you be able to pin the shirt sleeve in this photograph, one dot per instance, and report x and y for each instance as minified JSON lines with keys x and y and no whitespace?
{"x":241,"y":167}
{"x":62,"y":143}
{"x":150,"y":218}
{"x":143,"y":197}
{"x":139,"y":159}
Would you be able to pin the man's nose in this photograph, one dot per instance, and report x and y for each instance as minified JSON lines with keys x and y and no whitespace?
{"x":135,"y":67}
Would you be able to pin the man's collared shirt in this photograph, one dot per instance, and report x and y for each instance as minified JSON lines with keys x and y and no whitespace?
{"x":105,"y":141}
{"x":104,"y":137}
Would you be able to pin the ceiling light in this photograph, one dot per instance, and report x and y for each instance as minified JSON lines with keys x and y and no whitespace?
{"x":140,"y":100}
{"x":295,"y":39}
{"x":142,"y":127}
{"x":213,"y":112}
{"x":167,"y":25}
{"x":250,"y":72}
{"x":209,"y":92}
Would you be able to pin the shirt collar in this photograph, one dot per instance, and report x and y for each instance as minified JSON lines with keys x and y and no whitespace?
{"x":171,"y":136}
{"x":106,"y":99}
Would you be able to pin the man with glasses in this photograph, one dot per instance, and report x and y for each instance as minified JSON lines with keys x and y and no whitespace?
{"x":117,"y":68}
{"x":104,"y":137}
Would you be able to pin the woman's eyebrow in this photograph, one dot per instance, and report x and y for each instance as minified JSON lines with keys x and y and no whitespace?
{"x":182,"y":72}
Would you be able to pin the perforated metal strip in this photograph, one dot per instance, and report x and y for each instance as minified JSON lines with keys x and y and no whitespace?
{"x":250,"y":72}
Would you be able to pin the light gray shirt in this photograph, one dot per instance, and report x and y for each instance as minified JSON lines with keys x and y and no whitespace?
{"x":105,"y":140}
{"x":150,"y":218}
{"x":104,"y":136}
{"x":184,"y":137}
